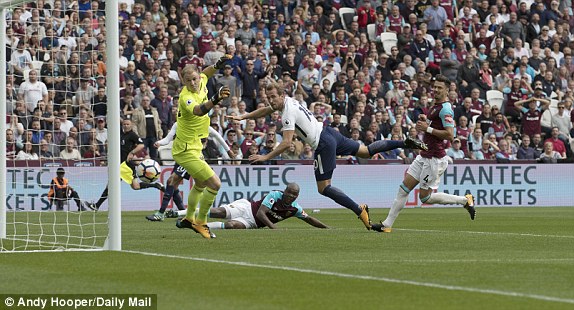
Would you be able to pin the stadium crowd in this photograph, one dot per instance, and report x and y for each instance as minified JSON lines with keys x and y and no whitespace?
{"x":362,"y":67}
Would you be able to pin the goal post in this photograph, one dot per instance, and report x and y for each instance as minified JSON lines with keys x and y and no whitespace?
{"x":35,"y":229}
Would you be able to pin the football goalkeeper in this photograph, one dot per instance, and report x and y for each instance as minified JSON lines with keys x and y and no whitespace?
{"x":193,"y":123}
{"x":177,"y":175}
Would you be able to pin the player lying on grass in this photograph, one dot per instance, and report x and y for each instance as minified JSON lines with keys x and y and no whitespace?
{"x":325,"y":141}
{"x":131,"y":144}
{"x":273,"y":208}
{"x":178,"y":174}
{"x":429,"y":166}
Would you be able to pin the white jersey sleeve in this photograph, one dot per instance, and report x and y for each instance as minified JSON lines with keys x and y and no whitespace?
{"x":169,"y":137}
{"x":218,"y":138}
{"x":299,"y":118}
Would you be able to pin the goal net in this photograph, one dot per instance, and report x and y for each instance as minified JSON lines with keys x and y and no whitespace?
{"x":60,"y":138}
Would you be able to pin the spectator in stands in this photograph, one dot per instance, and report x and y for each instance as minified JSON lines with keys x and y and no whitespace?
{"x":13,"y":146}
{"x":455,"y":151}
{"x":561,"y":120}
{"x":162,"y":103}
{"x":52,"y":147}
{"x":45,"y":150}
{"x":147,"y":125}
{"x":71,"y":152}
{"x":549,"y":154}
{"x":504,"y":151}
{"x":32,"y":91}
{"x":558,"y":145}
{"x":28,"y":152}
{"x":525,"y":151}
{"x":532,"y":115}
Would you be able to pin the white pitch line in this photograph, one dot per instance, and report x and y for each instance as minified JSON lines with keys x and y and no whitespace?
{"x":363,"y":277}
{"x":485,"y":233}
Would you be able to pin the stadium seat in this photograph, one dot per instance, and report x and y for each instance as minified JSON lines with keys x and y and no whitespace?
{"x":389,"y":39}
{"x":372,"y":32}
{"x":26,"y":73}
{"x":474,"y":120}
{"x":346,"y":15}
{"x":495,"y":98}
{"x":165,"y":156}
{"x":37,"y":64}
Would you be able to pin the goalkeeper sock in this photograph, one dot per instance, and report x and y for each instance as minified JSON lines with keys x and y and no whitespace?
{"x":444,"y":199}
{"x":176,"y":197}
{"x":216,"y":225}
{"x":341,"y":198}
{"x":103,"y":198}
{"x":383,"y":146}
{"x":166,"y":198}
{"x":398,"y":205}
{"x":194,"y":196}
{"x":205,"y":203}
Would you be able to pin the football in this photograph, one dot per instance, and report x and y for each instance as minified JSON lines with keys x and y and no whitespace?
{"x":148,"y":170}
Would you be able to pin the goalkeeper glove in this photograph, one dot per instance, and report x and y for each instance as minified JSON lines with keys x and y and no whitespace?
{"x":222,"y":93}
{"x":221,"y":62}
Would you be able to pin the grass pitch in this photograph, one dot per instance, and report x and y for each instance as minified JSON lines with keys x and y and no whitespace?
{"x":508,"y":258}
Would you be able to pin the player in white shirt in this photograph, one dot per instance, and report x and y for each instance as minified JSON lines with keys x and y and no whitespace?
{"x":326,"y":142}
{"x":178,"y":174}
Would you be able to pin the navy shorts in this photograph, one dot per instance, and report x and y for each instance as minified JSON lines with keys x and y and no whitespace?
{"x":331,"y":144}
{"x":180,"y":171}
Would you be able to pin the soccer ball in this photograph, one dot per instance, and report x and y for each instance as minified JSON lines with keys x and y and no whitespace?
{"x":148,"y":170}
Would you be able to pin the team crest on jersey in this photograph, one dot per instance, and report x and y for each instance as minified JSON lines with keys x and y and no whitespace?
{"x":189,"y":101}
{"x":448,"y":119}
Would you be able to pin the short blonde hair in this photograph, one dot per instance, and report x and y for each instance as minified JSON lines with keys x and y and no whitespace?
{"x":189,"y":69}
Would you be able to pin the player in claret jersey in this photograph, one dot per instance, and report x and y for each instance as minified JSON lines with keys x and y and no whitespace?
{"x":429,"y":166}
{"x":327,"y":143}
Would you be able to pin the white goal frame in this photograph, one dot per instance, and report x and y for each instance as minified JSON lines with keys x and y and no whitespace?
{"x":114,"y":239}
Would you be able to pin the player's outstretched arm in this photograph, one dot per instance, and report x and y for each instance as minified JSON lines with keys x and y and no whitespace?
{"x":264,"y":111}
{"x":218,"y":138}
{"x":314,"y":222}
{"x":262,"y":216}
{"x":168,"y":138}
{"x":279,"y":149}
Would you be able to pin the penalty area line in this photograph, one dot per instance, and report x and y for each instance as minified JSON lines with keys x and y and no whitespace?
{"x":364,"y":277}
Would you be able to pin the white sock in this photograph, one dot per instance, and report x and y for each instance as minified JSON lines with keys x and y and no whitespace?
{"x":446,"y":199}
{"x":181,"y":212}
{"x":216,"y":225}
{"x":398,"y":205}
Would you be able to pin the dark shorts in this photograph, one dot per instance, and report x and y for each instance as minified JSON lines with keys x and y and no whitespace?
{"x":180,"y":171}
{"x":331,"y":144}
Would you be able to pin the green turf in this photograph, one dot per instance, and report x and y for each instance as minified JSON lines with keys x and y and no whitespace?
{"x":517,"y":252}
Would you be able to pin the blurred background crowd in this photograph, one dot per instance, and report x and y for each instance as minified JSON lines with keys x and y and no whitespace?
{"x":363,"y":67}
